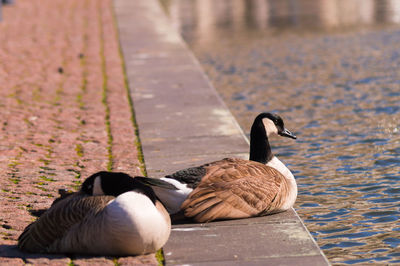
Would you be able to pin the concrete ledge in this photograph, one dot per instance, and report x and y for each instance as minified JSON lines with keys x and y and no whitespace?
{"x":183,"y":122}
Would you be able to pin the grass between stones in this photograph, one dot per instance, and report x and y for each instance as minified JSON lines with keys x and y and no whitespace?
{"x":13,"y":170}
{"x":105,"y":91}
{"x":130,"y":101}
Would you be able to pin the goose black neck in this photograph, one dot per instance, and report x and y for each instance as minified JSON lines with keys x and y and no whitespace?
{"x":260,"y":150}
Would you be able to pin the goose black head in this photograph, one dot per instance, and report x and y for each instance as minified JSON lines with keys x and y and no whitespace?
{"x":111,"y":183}
{"x":273,"y":124}
{"x":264,"y":125}
{"x":116,"y":183}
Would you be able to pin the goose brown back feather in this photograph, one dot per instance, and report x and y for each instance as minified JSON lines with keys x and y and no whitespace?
{"x":236,"y":188}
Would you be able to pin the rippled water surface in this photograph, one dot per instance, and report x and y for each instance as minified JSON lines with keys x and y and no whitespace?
{"x":331,"y":69}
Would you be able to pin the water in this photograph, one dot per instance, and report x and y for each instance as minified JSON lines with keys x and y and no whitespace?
{"x":331,"y":69}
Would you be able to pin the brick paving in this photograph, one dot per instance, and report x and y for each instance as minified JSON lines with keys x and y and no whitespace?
{"x":65,"y":113}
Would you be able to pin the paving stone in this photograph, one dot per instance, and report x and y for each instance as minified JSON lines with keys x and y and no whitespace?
{"x":281,"y":261}
{"x":230,"y":242}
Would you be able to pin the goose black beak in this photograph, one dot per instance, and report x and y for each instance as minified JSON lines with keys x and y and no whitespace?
{"x":287,"y":133}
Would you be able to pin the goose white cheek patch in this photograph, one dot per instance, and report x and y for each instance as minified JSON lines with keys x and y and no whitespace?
{"x":97,"y":190}
{"x":270,"y":127}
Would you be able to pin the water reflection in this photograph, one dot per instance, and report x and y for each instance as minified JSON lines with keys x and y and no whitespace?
{"x":331,"y":69}
{"x":204,"y":19}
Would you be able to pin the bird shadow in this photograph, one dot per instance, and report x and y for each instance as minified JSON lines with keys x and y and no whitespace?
{"x":12,"y":251}
{"x":179,"y":218}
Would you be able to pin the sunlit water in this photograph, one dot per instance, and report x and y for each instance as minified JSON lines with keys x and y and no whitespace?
{"x":331,"y":69}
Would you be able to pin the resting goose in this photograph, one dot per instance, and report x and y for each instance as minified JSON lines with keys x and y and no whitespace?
{"x":112,"y":214}
{"x":235,"y":188}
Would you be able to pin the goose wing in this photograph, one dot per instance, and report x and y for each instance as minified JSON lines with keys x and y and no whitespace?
{"x":57,"y":220}
{"x":234,"y":188}
{"x":190,"y":176}
{"x":64,"y":193}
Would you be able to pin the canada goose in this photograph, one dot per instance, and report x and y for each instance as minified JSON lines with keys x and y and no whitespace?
{"x":235,"y":188}
{"x":112,"y":214}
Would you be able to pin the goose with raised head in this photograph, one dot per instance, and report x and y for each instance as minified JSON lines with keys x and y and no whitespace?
{"x":235,"y":188}
{"x":112,"y":214}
